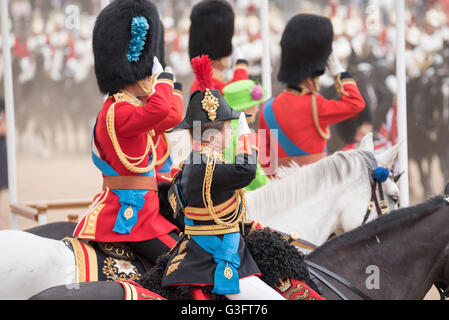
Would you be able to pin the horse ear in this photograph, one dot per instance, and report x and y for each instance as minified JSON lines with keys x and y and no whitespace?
{"x":397,"y":177}
{"x":446,"y":190}
{"x":386,"y":158}
{"x":367,"y":143}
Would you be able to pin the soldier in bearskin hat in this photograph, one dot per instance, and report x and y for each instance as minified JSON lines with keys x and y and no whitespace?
{"x":142,"y":103}
{"x":220,"y":253}
{"x":300,"y":115}
{"x":211,"y":32}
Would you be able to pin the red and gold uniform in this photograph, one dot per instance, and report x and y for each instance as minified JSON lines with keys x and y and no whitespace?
{"x":164,"y":162}
{"x":133,"y":120}
{"x":301,"y":119}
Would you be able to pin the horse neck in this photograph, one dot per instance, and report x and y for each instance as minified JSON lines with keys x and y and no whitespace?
{"x":310,"y":195}
{"x":409,"y":248}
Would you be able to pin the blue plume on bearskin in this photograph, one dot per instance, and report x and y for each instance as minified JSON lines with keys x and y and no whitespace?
{"x":127,"y":35}
{"x":139,"y":28}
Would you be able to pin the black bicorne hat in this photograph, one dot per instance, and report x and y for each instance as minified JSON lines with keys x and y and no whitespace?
{"x":127,"y":35}
{"x":211,"y":29}
{"x":306,"y":45}
{"x":206,"y":104}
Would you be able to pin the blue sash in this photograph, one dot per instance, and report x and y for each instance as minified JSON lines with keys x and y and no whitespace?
{"x":167,"y":165}
{"x":225,"y":253}
{"x":289,"y":147}
{"x":134,"y":199}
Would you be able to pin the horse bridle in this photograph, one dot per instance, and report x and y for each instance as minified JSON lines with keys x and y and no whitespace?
{"x":381,"y":206}
{"x":442,"y":288}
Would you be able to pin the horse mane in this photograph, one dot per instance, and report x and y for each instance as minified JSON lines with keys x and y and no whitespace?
{"x":295,"y":183}
{"x":394,"y":220}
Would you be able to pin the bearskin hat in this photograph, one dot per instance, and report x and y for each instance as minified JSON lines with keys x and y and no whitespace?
{"x":211,"y":29}
{"x":126,"y":36}
{"x":206,"y":104}
{"x":306,"y":45}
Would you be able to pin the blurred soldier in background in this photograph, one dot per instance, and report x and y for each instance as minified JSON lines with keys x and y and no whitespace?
{"x":211,"y":32}
{"x":300,"y":116}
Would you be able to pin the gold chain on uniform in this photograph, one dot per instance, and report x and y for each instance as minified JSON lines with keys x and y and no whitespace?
{"x":237,"y":215}
{"x":124,"y":158}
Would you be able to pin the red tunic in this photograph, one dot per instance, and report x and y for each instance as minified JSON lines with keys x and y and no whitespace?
{"x":175,"y":116}
{"x":240,"y":73}
{"x":132,"y":122}
{"x":293,"y":112}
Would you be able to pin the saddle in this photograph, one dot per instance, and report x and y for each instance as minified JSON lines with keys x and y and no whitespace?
{"x":97,"y":261}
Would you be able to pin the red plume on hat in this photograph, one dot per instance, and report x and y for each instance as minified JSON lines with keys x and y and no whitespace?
{"x":202,"y":68}
{"x":206,"y":96}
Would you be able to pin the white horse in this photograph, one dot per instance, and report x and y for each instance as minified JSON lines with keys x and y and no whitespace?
{"x":329,"y":196}
{"x":314,"y":201}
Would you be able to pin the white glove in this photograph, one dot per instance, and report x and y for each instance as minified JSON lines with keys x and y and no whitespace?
{"x":237,"y":53}
{"x":170,"y":70}
{"x":243,"y":125}
{"x":334,"y":65}
{"x":157,"y":67}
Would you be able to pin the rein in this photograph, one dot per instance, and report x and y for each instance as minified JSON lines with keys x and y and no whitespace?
{"x":381,"y":208}
{"x":336,"y":277}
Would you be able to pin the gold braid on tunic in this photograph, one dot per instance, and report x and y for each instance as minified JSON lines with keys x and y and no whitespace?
{"x":237,"y":215}
{"x":123,"y":157}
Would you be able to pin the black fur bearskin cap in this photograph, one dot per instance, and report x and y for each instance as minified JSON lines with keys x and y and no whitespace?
{"x":306,"y":45}
{"x":114,"y":30}
{"x":211,"y":29}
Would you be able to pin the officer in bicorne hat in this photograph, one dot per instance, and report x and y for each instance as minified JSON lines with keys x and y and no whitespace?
{"x":211,"y":32}
{"x":209,"y":193}
{"x":299,"y":118}
{"x":142,"y":103}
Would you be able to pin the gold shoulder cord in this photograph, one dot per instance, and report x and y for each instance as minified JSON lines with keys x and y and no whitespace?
{"x":316,"y":122}
{"x":324,"y":135}
{"x":124,"y":158}
{"x":237,"y":215}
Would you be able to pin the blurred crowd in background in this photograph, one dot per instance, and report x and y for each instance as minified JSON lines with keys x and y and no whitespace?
{"x":57,"y":100}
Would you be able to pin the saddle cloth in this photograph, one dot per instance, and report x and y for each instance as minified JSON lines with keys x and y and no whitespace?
{"x":133,"y":291}
{"x":92,"y":264}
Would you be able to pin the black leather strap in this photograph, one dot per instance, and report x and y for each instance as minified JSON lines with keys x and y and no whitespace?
{"x":336,"y":277}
